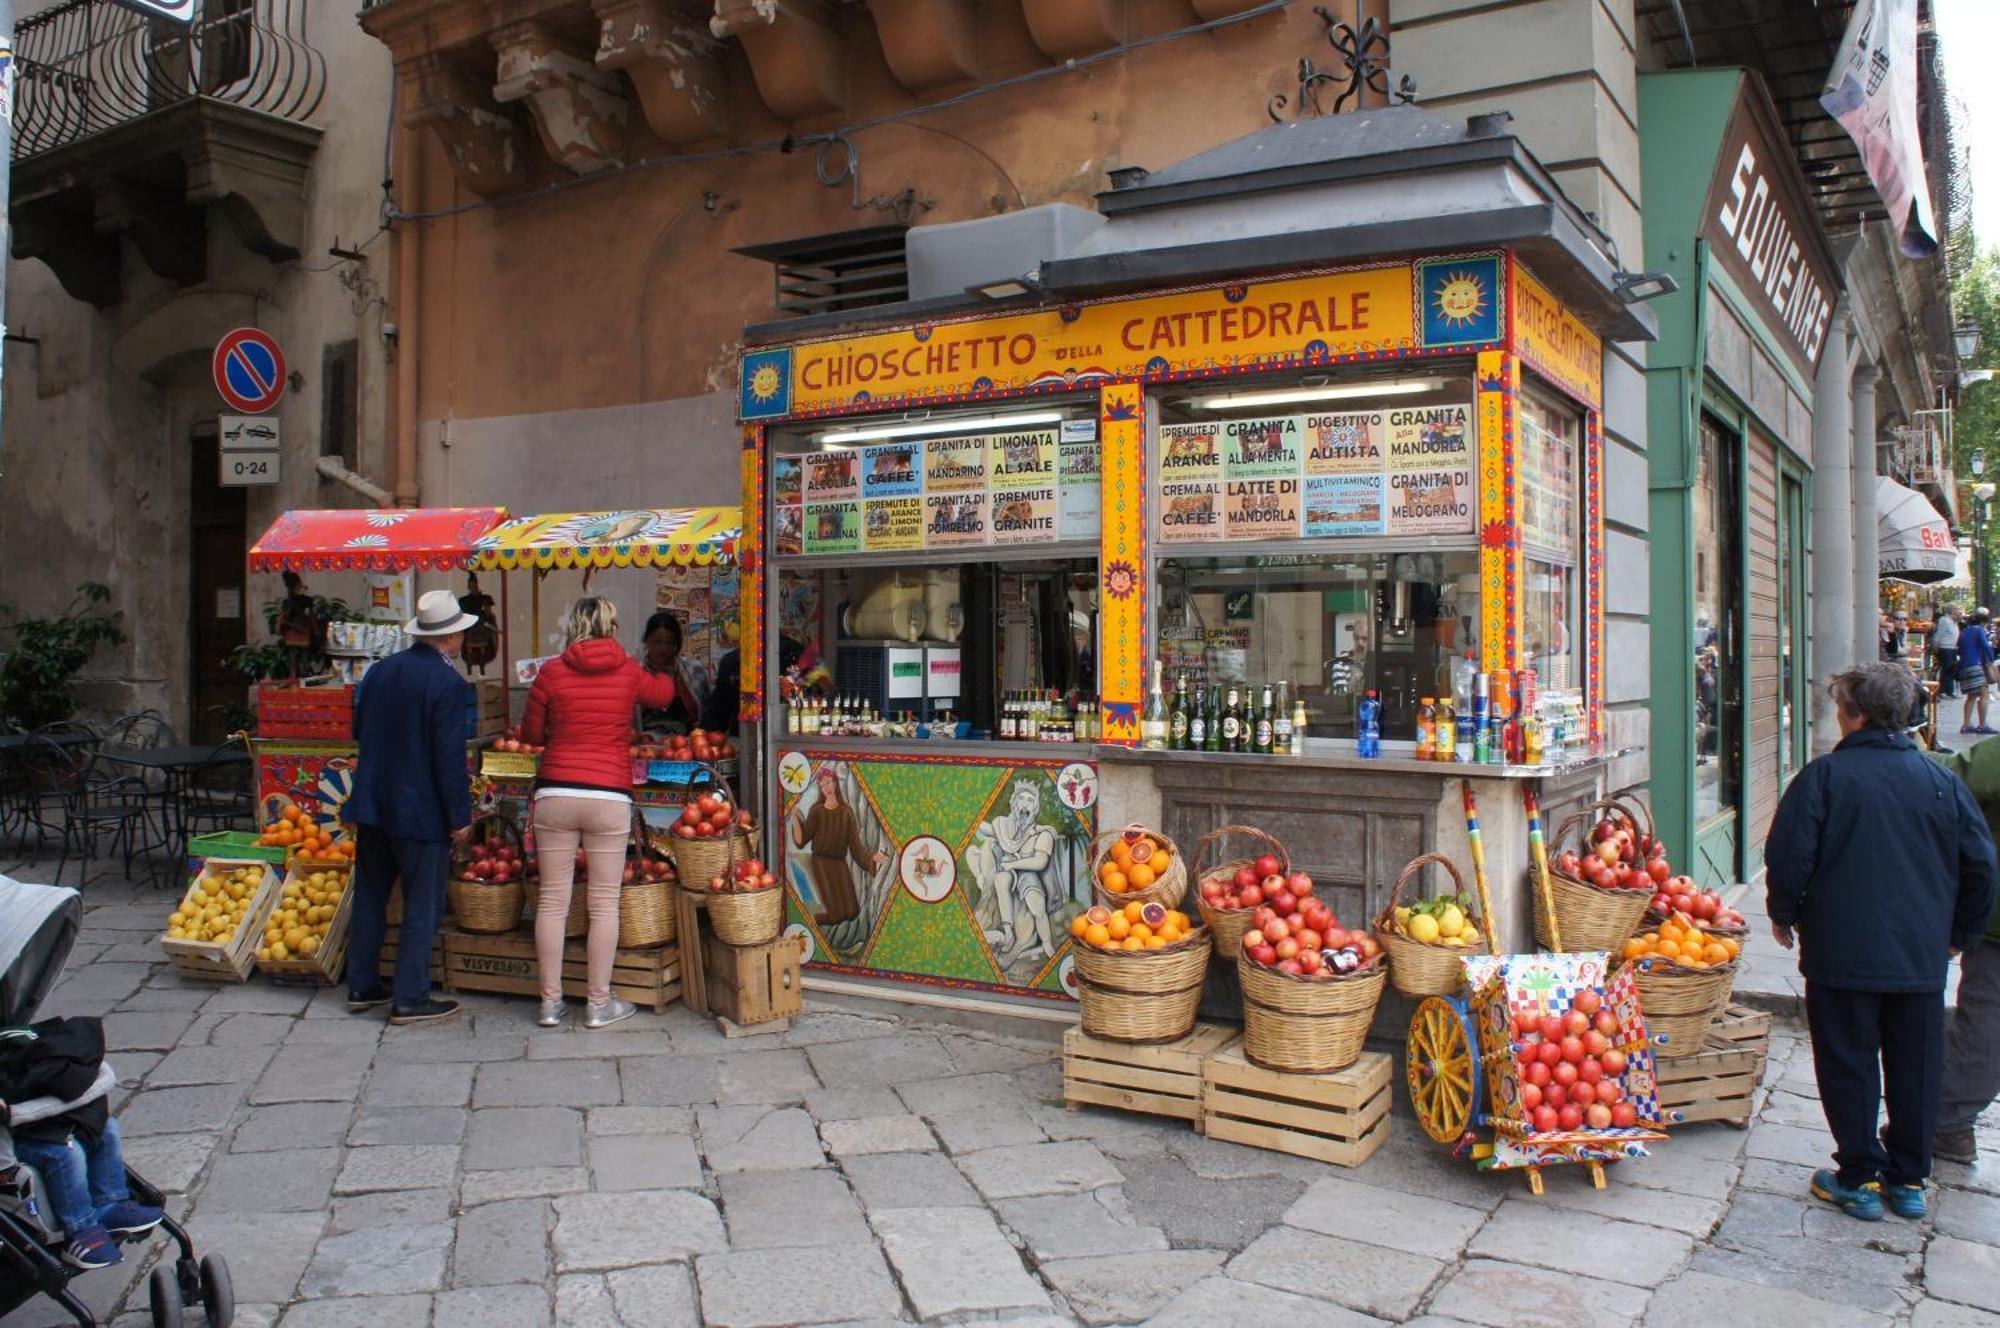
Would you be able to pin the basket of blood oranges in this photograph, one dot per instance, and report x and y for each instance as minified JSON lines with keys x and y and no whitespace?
{"x":1685,"y":976}
{"x":1135,"y":865}
{"x":1139,"y":970}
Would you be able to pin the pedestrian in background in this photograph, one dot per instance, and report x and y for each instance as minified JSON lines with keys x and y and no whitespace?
{"x":412,"y":799}
{"x":1972,"y":1046}
{"x":1883,"y":867}
{"x":1975,"y":667}
{"x":1944,"y":648}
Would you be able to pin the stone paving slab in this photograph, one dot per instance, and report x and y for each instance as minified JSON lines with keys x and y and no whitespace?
{"x":1217,"y":1300}
{"x":594,"y":1232}
{"x":955,"y":1261}
{"x":360,"y":1312}
{"x":784,"y":1209}
{"x":818,"y":1285}
{"x":1126,"y":1288}
{"x":502,"y":1242}
{"x":1336,"y":1206}
{"x":1369,"y":1278}
{"x":1505,"y":1295}
{"x":1700,"y":1300}
{"x":398,"y":1167}
{"x":1524,"y":1230}
{"x":1069,"y":1226}
{"x":492,"y":1307}
{"x":644,"y":1162}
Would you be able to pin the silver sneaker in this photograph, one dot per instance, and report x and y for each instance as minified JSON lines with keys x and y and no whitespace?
{"x":552,"y":1013}
{"x":597,"y":1016}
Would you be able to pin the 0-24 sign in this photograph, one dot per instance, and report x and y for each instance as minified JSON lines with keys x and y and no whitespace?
{"x":242,"y":469}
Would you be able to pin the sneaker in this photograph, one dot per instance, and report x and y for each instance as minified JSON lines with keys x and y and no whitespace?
{"x":1956,"y":1146}
{"x":1906,"y":1201}
{"x":422,"y":1014}
{"x":1863,"y":1203}
{"x":91,"y":1248}
{"x":128,"y":1219}
{"x":597,"y":1016}
{"x":552,"y":1013}
{"x":357,"y":1001}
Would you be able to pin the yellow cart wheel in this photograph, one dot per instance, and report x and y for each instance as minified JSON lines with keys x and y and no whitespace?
{"x":1441,"y":1062}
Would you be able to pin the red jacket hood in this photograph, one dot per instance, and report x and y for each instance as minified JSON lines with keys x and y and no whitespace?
{"x":598,"y":655}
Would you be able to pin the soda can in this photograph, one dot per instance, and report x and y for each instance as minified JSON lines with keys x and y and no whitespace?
{"x":1503,"y":694}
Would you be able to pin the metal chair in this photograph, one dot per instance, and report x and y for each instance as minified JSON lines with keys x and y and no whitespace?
{"x":220,"y":794}
{"x":145,"y":730}
{"x":91,"y":801}
{"x":142,"y":729}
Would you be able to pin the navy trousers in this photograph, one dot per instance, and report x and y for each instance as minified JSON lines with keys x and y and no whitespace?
{"x":379,"y":862}
{"x":1872,"y":1046}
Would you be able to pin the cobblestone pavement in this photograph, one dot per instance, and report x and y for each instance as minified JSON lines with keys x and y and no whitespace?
{"x":865,"y":1169}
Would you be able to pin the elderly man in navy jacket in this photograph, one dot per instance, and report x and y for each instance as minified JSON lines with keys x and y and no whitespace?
{"x":411,"y":799}
{"x":1884,"y":866}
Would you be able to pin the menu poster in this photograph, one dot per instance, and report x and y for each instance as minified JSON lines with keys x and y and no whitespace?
{"x":1258,"y":449}
{"x":787,"y":481}
{"x":1548,"y":488}
{"x":954,"y":519}
{"x":1349,"y":443}
{"x":831,"y":476}
{"x":788,"y":532}
{"x":1190,"y":512}
{"x":832,"y":527}
{"x":1081,"y":499}
{"x":1024,"y":516}
{"x":1437,"y":501}
{"x":1190,"y":452}
{"x":1430,"y":436}
{"x":1023,"y":460}
{"x":954,"y":464}
{"x":892,"y":470}
{"x":1261,"y":509}
{"x":1343,"y":505}
{"x":892,"y":523}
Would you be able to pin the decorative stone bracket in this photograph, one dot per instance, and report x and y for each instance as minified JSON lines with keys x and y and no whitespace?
{"x":929,"y":43}
{"x":796,"y":52}
{"x":579,"y":109}
{"x":673,"y":63}
{"x":1065,"y":29}
{"x":487,"y":146}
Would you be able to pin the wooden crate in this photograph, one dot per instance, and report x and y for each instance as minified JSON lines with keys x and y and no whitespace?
{"x":506,"y":963}
{"x":1341,"y":1118}
{"x":690,"y":915}
{"x":1159,"y":1080}
{"x":330,"y":964}
{"x":1719,"y":1082}
{"x":212,"y":961}
{"x":750,"y":984}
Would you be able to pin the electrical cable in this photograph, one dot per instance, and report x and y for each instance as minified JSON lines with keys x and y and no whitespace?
{"x":826,"y":138}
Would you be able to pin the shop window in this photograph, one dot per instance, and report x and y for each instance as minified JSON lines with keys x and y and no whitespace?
{"x":1791,"y":614}
{"x":1551,"y":530}
{"x":339,"y":402}
{"x":1718,"y":629}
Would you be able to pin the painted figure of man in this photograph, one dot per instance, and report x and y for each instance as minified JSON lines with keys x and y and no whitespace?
{"x":1013,"y":857}
{"x":832,"y":836}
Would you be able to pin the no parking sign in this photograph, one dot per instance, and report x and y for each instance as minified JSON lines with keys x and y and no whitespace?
{"x":249,"y":370}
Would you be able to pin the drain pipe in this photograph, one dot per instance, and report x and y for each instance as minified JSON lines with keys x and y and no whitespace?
{"x":332,"y":469}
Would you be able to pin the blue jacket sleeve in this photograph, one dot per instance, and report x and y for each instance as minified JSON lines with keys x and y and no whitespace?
{"x":1791,"y":850}
{"x":448,"y":753}
{"x":1977,"y":879}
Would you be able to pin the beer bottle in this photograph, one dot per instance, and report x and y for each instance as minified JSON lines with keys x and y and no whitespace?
{"x":1281,"y":722}
{"x":1153,"y":727}
{"x":1177,"y":718}
{"x":1266,"y":726}
{"x":1213,"y":740}
{"x":1232,"y":720}
{"x":1197,"y":739}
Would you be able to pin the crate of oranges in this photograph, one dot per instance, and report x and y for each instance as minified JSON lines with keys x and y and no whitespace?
{"x":295,"y":831}
{"x":1135,"y":865}
{"x":1685,"y":977}
{"x":1139,"y":970}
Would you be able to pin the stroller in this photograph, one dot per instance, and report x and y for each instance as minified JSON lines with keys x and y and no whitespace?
{"x":38,"y":925}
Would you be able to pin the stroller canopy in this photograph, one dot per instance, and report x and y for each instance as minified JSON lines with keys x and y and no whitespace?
{"x":38,"y":925}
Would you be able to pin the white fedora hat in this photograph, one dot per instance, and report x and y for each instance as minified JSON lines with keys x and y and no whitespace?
{"x":438,"y":614}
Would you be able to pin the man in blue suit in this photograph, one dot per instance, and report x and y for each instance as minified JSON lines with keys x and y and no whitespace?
{"x":411,"y":801}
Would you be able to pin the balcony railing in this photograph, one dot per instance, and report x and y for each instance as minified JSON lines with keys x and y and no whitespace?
{"x":89,"y":65}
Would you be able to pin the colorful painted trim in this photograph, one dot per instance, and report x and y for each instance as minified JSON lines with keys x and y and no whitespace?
{"x":1122,"y":552}
{"x":657,"y":537}
{"x":750,"y":580}
{"x":1500,"y":550}
{"x":1594,"y":606}
{"x":430,"y":539}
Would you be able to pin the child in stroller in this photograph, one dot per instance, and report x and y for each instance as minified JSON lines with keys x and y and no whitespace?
{"x":66,"y":1198}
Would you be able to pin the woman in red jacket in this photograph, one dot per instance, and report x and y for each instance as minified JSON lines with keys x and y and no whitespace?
{"x":580,"y":710}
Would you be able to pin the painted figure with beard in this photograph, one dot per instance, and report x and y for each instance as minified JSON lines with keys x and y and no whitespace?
{"x":1013,"y":859}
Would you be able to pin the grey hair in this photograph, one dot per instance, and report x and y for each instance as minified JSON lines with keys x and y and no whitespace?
{"x":1879,"y":692}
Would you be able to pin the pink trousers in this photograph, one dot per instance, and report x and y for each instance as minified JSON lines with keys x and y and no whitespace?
{"x":602,"y":826}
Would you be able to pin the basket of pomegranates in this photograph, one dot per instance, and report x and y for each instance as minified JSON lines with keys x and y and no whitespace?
{"x":1137,"y":865}
{"x":1233,"y":889}
{"x":1680,"y":894}
{"x":1427,"y":941}
{"x":1685,"y":974}
{"x":744,"y":903}
{"x":646,"y":897}
{"x":1603,"y":881}
{"x":488,"y":871}
{"x":1310,"y":986}
{"x":710,"y":833}
{"x":1139,"y":971}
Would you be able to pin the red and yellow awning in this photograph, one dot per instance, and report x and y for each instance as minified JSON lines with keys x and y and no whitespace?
{"x":369,"y":539}
{"x":645,"y":537}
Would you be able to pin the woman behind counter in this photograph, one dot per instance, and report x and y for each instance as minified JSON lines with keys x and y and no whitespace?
{"x":663,"y":640}
{"x":580,"y":709}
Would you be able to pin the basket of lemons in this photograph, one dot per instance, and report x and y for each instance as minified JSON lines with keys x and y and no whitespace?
{"x":1427,"y":940}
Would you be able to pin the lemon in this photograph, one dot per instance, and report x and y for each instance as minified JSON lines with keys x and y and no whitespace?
{"x":1451,"y":921}
{"x":281,"y":951}
{"x":1422,"y":927}
{"x":309,"y":948}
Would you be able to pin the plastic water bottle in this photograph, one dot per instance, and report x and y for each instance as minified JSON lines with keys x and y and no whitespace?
{"x":1368,"y":739}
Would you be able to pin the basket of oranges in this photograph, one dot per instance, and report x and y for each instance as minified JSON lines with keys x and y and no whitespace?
{"x":1139,"y":971}
{"x":1137,"y":866}
{"x":1685,"y":977}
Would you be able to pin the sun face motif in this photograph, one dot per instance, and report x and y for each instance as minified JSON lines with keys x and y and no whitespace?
{"x":1461,"y":299}
{"x":764,"y":382}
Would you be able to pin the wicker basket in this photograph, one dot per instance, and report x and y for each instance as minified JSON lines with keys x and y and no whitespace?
{"x":1680,"y":1004}
{"x":1590,"y":918}
{"x":577,"y":921}
{"x":1142,"y":996}
{"x":1304,"y":1025}
{"x":1229,"y":924}
{"x":1415,"y":968}
{"x":645,"y":908}
{"x":486,"y":906}
{"x":747,"y":917}
{"x":1169,"y":888}
{"x":700,"y":860}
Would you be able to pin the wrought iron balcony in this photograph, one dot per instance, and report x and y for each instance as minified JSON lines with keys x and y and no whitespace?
{"x":89,"y":66}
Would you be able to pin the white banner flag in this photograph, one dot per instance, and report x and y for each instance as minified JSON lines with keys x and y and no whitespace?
{"x":1872,"y":91}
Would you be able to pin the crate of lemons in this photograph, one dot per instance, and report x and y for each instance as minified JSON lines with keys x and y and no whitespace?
{"x":306,"y":934}
{"x":211,"y":933}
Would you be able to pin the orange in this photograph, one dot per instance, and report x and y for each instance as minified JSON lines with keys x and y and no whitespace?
{"x":1121,"y":853}
{"x":1135,"y":911}
{"x":1141,"y":875}
{"x":1169,"y":934}
{"x":1176,"y":918}
{"x":1105,"y":868}
{"x":1142,"y":931}
{"x":1713,"y":953}
{"x":1117,"y":882}
{"x":1668,"y":948}
{"x":1096,"y":934}
{"x":1132,"y":943}
{"x":1078,"y":924}
{"x":1634,"y":948}
{"x":1098,"y":913}
{"x":1119,"y":928}
{"x":1670,"y":931}
{"x":1156,"y":943}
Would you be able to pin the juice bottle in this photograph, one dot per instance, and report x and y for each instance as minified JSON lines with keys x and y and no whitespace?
{"x":1427,"y":729}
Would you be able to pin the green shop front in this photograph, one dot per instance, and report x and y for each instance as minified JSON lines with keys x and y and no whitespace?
{"x":1731,"y":401}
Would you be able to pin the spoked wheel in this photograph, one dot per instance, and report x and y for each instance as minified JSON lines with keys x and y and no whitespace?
{"x":1442,"y":1065}
{"x":218,"y":1294}
{"x":166,"y":1297}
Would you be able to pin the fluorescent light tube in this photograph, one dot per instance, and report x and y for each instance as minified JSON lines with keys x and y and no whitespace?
{"x":1397,"y":387}
{"x":962,"y":424}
